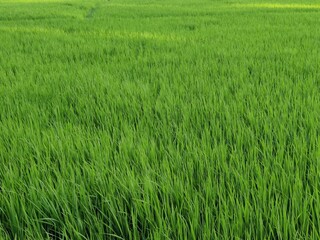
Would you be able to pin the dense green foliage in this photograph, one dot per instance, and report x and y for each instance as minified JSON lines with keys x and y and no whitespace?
{"x":128,"y":119}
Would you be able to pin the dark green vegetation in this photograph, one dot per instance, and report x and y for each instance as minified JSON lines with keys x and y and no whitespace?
{"x":159,"y":120}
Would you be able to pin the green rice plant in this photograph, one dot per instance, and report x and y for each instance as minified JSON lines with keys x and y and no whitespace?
{"x":159,"y":119}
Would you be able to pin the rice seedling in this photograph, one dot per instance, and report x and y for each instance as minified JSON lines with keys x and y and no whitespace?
{"x":159,"y":119}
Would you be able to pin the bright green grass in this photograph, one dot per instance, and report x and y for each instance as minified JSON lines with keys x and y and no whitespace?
{"x":173,"y":119}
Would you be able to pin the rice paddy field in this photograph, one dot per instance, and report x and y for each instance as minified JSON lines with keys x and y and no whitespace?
{"x":149,"y":119}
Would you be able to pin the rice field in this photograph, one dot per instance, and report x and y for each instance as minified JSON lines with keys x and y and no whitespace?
{"x":135,"y":119}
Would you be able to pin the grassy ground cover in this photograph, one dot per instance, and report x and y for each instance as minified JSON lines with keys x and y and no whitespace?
{"x":131,"y":119}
